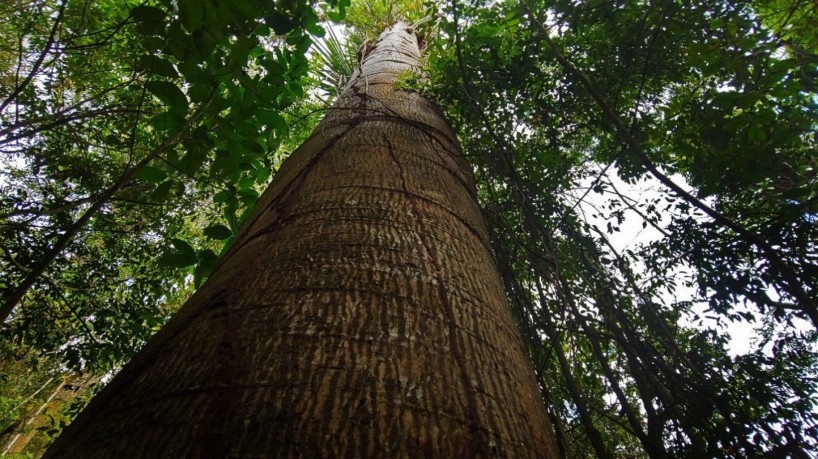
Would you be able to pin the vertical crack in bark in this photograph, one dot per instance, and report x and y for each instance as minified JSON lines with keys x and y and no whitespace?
{"x":453,"y":335}
{"x":230,"y":373}
{"x":287,"y":193}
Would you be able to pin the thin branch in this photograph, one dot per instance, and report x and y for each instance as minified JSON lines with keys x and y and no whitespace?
{"x":54,"y":122}
{"x":42,"y":211}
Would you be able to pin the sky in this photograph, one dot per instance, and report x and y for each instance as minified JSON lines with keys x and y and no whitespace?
{"x":632,"y":234}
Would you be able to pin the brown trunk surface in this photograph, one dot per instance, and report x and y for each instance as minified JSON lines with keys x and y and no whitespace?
{"x":358,"y":314}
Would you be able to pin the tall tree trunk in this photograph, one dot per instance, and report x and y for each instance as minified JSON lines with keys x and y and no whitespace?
{"x":359,"y":312}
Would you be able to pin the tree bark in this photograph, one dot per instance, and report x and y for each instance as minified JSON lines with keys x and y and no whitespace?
{"x":358,"y":314}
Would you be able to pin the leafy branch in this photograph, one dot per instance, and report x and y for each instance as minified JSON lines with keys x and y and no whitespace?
{"x":40,"y":267}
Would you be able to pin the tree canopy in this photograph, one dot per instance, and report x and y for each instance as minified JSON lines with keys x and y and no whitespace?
{"x":647,"y":170}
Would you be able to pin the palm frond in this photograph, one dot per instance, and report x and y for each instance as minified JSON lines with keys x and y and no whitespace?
{"x":335,"y":62}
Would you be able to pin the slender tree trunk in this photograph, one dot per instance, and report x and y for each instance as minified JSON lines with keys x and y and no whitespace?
{"x":358,"y":314}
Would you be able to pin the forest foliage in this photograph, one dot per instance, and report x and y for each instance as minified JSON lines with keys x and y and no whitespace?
{"x":136,"y":135}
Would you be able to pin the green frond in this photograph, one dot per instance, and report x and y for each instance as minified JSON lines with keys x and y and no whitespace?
{"x":335,"y":62}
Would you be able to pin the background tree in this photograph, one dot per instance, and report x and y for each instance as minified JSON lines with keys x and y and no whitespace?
{"x":543,"y":115}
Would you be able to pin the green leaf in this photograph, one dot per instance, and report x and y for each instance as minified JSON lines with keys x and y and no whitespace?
{"x":144,"y":13}
{"x":181,"y":45}
{"x":176,"y":260}
{"x":316,"y":30}
{"x":150,"y":20}
{"x":194,"y":75}
{"x":154,"y":43}
{"x":262,"y":175}
{"x":162,"y":191}
{"x":239,"y":52}
{"x":280,"y":22}
{"x":166,"y":121}
{"x":207,"y":254}
{"x":246,"y":183}
{"x":193,"y":160}
{"x":151,"y":174}
{"x":158,"y":66}
{"x":717,"y":23}
{"x":756,"y":134}
{"x":183,"y":256}
{"x":248,"y":197}
{"x":183,"y":247}
{"x":272,"y":119}
{"x":207,"y":261}
{"x":342,"y":6}
{"x":200,"y":92}
{"x":341,"y":14}
{"x":221,"y":196}
{"x":170,"y":94}
{"x":217,"y":231}
{"x":248,"y":193}
{"x":243,"y":8}
{"x":223,"y":164}
{"x":191,"y":13}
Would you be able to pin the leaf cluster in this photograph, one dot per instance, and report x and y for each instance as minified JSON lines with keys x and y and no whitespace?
{"x":627,"y":301}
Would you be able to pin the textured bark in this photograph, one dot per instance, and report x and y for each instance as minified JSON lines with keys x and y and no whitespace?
{"x":358,"y":314}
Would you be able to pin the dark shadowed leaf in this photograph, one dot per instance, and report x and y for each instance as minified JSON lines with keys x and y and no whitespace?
{"x":151,"y":174}
{"x":170,"y":94}
{"x":217,"y":232}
